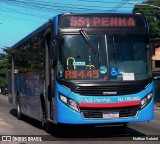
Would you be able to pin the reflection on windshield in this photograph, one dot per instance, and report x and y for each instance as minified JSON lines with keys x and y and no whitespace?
{"x":79,"y":62}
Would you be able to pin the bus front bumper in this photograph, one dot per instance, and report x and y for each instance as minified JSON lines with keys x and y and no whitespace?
{"x":67,"y":115}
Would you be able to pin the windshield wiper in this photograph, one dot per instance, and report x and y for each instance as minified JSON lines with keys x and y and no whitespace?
{"x":121,"y":42}
{"x":89,"y":42}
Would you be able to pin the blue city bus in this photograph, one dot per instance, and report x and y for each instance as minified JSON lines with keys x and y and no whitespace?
{"x":90,"y":68}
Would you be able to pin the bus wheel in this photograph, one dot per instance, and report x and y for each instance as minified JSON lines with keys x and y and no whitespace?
{"x":44,"y":122}
{"x":19,"y":115}
{"x":125,"y":124}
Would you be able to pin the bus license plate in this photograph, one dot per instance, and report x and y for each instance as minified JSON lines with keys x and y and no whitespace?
{"x":109,"y":115}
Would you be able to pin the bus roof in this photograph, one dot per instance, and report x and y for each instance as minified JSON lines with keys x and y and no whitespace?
{"x":35,"y":32}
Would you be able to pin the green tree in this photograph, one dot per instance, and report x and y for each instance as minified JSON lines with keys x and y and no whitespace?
{"x":152,"y":12}
{"x":3,"y":68}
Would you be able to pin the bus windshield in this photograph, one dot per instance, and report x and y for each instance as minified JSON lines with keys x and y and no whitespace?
{"x":118,"y":57}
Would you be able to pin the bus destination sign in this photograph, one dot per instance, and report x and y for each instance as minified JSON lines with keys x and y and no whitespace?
{"x":78,"y":21}
{"x":91,"y":21}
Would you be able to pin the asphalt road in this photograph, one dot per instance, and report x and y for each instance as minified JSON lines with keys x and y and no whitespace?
{"x":11,"y":126}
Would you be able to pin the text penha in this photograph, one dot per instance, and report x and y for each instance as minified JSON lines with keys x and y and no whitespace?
{"x":79,"y":21}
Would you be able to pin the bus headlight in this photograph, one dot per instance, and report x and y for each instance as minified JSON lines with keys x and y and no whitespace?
{"x":146,"y":100}
{"x":69,"y":102}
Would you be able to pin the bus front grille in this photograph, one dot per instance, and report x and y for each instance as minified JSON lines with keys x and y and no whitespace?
{"x":98,"y":113}
{"x":110,"y":88}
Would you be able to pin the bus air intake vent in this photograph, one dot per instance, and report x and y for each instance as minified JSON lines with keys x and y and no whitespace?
{"x":109,"y":89}
{"x":98,"y":113}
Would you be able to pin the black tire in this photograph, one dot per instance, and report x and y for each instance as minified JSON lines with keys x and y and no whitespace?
{"x":124,"y":127}
{"x":44,"y":122}
{"x":125,"y":124}
{"x":19,"y":115}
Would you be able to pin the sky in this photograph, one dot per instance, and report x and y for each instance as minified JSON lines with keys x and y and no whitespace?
{"x":18,"y":18}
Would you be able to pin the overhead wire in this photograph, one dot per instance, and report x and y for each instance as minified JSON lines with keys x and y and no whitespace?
{"x":47,"y":7}
{"x":24,"y":19}
{"x":20,"y":12}
{"x":123,"y":2}
{"x":56,"y":6}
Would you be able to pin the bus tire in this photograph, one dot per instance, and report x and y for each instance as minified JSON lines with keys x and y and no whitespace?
{"x":47,"y":127}
{"x":125,"y":124}
{"x":44,"y":122}
{"x":19,"y":115}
